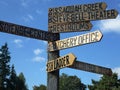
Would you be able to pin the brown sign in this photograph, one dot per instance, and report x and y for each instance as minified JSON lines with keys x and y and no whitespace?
{"x":26,"y":31}
{"x":83,"y":16}
{"x":58,"y":17}
{"x":60,"y":62}
{"x":70,"y":27}
{"x":75,"y":41}
{"x":78,"y":8}
{"x":91,"y":68}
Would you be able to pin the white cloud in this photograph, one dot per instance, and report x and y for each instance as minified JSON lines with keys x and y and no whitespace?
{"x":45,"y":42}
{"x":117,"y":70}
{"x":38,"y":51}
{"x":38,"y":59}
{"x":118,"y":5}
{"x":18,"y":42}
{"x":25,"y":19}
{"x":24,"y":3}
{"x":28,"y":18}
{"x":39,"y":12}
{"x":111,"y":25}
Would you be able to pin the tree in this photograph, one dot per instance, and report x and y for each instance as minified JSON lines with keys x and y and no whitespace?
{"x":106,"y":83}
{"x":13,"y":79}
{"x":17,"y":82}
{"x":41,"y":87}
{"x":21,"y":82}
{"x":4,"y":66}
{"x":70,"y":83}
{"x":8,"y":78}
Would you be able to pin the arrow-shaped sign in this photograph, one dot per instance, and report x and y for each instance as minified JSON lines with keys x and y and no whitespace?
{"x":91,"y":68}
{"x":60,"y":62}
{"x":75,"y":41}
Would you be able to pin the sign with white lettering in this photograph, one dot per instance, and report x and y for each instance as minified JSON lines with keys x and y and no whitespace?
{"x":70,"y":27}
{"x":60,"y":62}
{"x":83,"y":16}
{"x":26,"y":31}
{"x":75,"y":41}
{"x":91,"y":68}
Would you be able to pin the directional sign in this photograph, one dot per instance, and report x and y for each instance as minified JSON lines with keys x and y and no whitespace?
{"x":78,"y":8}
{"x":70,"y":27}
{"x":91,"y":68}
{"x":60,"y":62}
{"x":26,"y":31}
{"x":59,"y":17}
{"x":83,"y":16}
{"x":75,"y":41}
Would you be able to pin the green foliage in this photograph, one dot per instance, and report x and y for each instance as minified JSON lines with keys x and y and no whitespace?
{"x":41,"y":87}
{"x":70,"y":83}
{"x":13,"y":79}
{"x":21,"y":82}
{"x":66,"y":83}
{"x":106,"y":83}
{"x":4,"y":66}
{"x":8,"y":78}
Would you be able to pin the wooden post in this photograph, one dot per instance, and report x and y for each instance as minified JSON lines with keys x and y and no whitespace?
{"x":53,"y":77}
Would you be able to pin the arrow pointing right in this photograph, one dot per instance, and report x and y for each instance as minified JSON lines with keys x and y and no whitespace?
{"x":60,"y":62}
{"x":75,"y":41}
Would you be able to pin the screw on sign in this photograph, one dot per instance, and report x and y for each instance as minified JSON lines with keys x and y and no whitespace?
{"x":60,"y":62}
{"x":75,"y":41}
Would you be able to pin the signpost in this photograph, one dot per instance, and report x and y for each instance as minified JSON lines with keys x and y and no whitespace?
{"x":70,"y":27}
{"x":53,"y":77}
{"x":75,"y":41}
{"x":66,"y":19}
{"x":60,"y":62}
{"x":26,"y":31}
{"x":91,"y":68}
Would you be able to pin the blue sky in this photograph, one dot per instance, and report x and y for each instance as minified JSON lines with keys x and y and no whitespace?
{"x":30,"y":55}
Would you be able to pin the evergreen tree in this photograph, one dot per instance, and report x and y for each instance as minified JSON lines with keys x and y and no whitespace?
{"x":13,"y":79}
{"x":4,"y":67}
{"x":8,"y":78}
{"x":106,"y":83}
{"x":21,"y":82}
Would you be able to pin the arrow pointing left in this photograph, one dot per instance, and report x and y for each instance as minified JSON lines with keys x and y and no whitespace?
{"x":26,"y":31}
